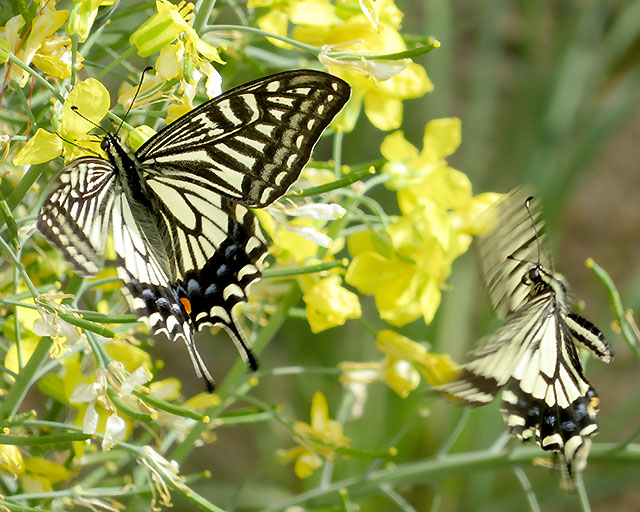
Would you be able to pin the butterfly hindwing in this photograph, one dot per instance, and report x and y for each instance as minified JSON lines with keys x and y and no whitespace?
{"x":532,"y":358}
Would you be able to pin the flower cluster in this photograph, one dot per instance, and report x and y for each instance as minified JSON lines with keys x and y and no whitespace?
{"x":349,"y":32}
{"x":405,"y":265}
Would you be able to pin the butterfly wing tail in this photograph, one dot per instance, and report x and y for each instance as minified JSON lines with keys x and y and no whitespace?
{"x":159,"y":308}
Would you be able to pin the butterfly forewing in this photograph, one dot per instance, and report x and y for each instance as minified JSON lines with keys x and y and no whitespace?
{"x":188,"y":245}
{"x":510,"y":249}
{"x":249,"y":144}
{"x":532,"y":358}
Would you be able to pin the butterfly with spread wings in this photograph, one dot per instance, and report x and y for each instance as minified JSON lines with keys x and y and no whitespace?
{"x":187,"y":243}
{"x":533,"y":357}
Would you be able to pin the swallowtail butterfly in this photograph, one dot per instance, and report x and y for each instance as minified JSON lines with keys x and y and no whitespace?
{"x":188,"y":245}
{"x":533,"y":357}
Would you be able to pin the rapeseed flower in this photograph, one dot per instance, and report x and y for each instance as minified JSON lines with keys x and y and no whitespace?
{"x":318,"y":440}
{"x":402,"y":366}
{"x":49,"y":53}
{"x":92,"y":100}
{"x":406,"y":265}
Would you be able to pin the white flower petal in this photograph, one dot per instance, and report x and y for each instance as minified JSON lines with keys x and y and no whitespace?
{"x":90,"y":420}
{"x":114,"y":431}
{"x":137,"y":378}
{"x":85,"y":393}
{"x":310,"y":233}
{"x":318,"y":211}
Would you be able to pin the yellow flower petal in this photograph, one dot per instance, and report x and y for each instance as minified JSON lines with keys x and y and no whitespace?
{"x":312,"y":12}
{"x":438,"y":368}
{"x":329,"y":304}
{"x":92,"y":100}
{"x":47,"y":469}
{"x":129,"y":355}
{"x":396,"y":147}
{"x":306,"y":464}
{"x":169,"y":62}
{"x":11,"y":460}
{"x":441,"y":138}
{"x":40,"y":148}
{"x":54,"y":57}
{"x":27,"y":348}
{"x":430,"y":300}
{"x":384,"y":112}
{"x":398,"y":346}
{"x":83,"y":14}
{"x":44,"y":26}
{"x":319,"y":412}
{"x":401,"y":377}
{"x":275,"y":22}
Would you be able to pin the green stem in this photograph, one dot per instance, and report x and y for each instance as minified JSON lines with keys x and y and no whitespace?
{"x":310,"y":269}
{"x":20,"y":387}
{"x":232,"y":382}
{"x":203,"y":14}
{"x":15,"y":60}
{"x":616,"y":306}
{"x":40,"y":440}
{"x":349,"y":179}
{"x":172,"y":409}
{"x":439,"y":468}
{"x":116,"y":62}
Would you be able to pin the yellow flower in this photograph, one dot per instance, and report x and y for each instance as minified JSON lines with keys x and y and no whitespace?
{"x":41,"y":474}
{"x":406,"y":165}
{"x":187,"y":60}
{"x":405,"y":266}
{"x":11,"y":460}
{"x":170,"y":22}
{"x":92,"y":101}
{"x":382,"y":100}
{"x":50,"y":54}
{"x":401,"y":368}
{"x":317,"y":13}
{"x":54,"y":57}
{"x":329,"y":304}
{"x":375,"y":10}
{"x":321,"y":438}
{"x":83,"y":14}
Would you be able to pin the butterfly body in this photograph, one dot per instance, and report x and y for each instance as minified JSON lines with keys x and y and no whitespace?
{"x":188,"y":246}
{"x":532,"y":358}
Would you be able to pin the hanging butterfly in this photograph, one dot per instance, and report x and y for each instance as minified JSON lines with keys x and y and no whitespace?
{"x":533,"y":357}
{"x":188,"y":245}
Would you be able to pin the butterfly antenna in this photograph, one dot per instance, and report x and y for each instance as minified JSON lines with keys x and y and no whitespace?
{"x":75,"y":109}
{"x":144,"y":71}
{"x":78,"y":145}
{"x":533,"y":223}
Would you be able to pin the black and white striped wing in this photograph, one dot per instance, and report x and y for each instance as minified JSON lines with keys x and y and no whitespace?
{"x":511,"y":235}
{"x":533,"y":360}
{"x":249,"y":144}
{"x":76,"y":215}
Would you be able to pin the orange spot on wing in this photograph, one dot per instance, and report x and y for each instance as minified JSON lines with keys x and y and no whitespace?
{"x":186,"y":303}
